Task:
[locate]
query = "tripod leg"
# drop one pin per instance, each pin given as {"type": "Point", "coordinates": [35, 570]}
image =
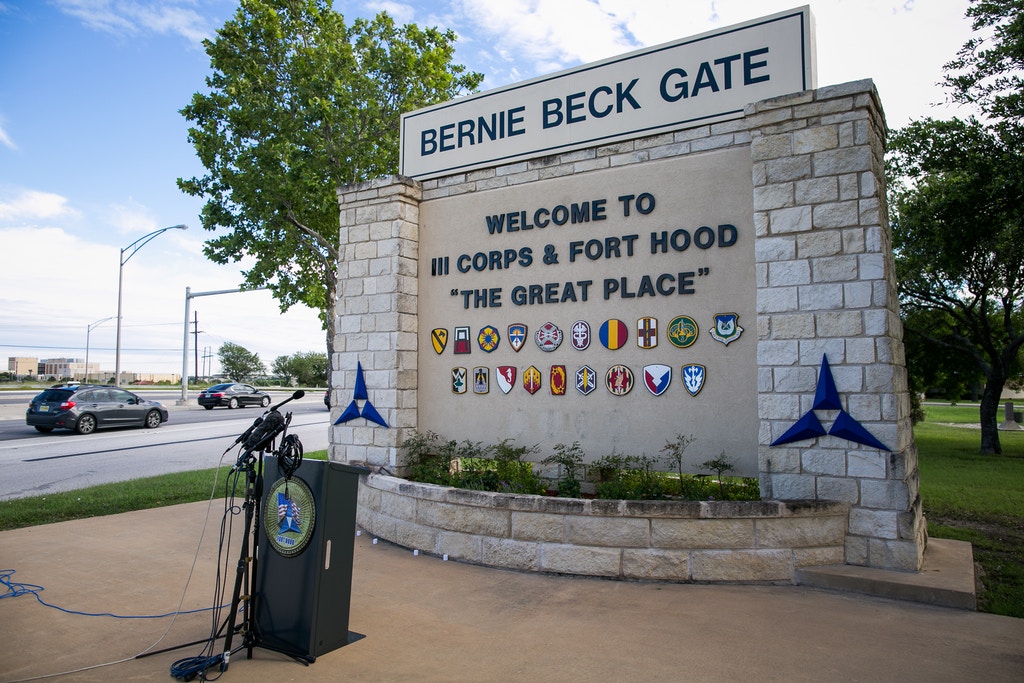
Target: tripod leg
{"type": "Point", "coordinates": [251, 506]}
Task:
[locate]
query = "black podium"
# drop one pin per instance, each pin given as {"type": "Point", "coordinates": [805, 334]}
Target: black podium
{"type": "Point", "coordinates": [303, 584]}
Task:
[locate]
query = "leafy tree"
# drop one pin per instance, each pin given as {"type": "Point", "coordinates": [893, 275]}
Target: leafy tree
{"type": "Point", "coordinates": [932, 367]}
{"type": "Point", "coordinates": [957, 210]}
{"type": "Point", "coordinates": [988, 71]}
{"type": "Point", "coordinates": [238, 363]}
{"type": "Point", "coordinates": [299, 102]}
{"type": "Point", "coordinates": [308, 368]}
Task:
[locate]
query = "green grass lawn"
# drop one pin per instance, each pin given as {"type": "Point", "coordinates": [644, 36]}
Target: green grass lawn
{"type": "Point", "coordinates": [111, 499]}
{"type": "Point", "coordinates": [976, 498]}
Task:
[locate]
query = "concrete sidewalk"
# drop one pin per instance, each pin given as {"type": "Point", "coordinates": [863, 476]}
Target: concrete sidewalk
{"type": "Point", "coordinates": [425, 619]}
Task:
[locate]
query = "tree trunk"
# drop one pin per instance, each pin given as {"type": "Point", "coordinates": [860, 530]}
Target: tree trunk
{"type": "Point", "coordinates": [988, 415]}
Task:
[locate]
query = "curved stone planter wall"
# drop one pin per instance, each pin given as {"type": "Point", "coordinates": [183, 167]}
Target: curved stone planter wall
{"type": "Point", "coordinates": [708, 541]}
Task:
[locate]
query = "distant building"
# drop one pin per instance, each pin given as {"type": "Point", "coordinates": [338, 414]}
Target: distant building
{"type": "Point", "coordinates": [22, 367]}
{"type": "Point", "coordinates": [71, 368]}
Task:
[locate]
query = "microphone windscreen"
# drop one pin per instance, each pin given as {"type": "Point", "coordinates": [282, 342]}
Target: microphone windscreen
{"type": "Point", "coordinates": [265, 432]}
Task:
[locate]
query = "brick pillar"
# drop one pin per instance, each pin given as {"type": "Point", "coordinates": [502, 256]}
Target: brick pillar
{"type": "Point", "coordinates": [376, 317]}
{"type": "Point", "coordinates": [826, 287]}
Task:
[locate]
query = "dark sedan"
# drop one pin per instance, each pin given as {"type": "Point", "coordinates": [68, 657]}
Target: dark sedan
{"type": "Point", "coordinates": [233, 395]}
{"type": "Point", "coordinates": [86, 408]}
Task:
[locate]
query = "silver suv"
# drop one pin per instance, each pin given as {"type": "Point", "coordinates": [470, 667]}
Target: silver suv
{"type": "Point", "coordinates": [85, 408]}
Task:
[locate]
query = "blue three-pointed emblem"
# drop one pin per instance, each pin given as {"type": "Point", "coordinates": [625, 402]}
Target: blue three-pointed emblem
{"type": "Point", "coordinates": [352, 411]}
{"type": "Point", "coordinates": [826, 397]}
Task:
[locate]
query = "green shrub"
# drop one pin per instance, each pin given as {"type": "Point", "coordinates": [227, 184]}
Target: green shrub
{"type": "Point", "coordinates": [629, 477]}
{"type": "Point", "coordinates": [501, 467]}
{"type": "Point", "coordinates": [432, 460]}
{"type": "Point", "coordinates": [570, 461]}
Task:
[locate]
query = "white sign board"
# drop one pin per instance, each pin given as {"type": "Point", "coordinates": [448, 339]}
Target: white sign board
{"type": "Point", "coordinates": [690, 82]}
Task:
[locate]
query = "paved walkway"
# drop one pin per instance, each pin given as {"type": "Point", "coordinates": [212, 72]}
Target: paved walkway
{"type": "Point", "coordinates": [425, 619]}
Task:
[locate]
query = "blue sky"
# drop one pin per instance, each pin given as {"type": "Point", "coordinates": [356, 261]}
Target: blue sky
{"type": "Point", "coordinates": [91, 143]}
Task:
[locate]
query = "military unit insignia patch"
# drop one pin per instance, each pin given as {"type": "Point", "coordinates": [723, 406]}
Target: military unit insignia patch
{"type": "Point", "coordinates": [531, 379]}
{"type": "Point", "coordinates": [548, 337]}
{"type": "Point", "coordinates": [558, 380]}
{"type": "Point", "coordinates": [613, 334]}
{"type": "Point", "coordinates": [682, 331]}
{"type": "Point", "coordinates": [505, 378]}
{"type": "Point", "coordinates": [439, 339]}
{"type": "Point", "coordinates": [488, 338]}
{"type": "Point", "coordinates": [516, 336]}
{"type": "Point", "coordinates": [693, 378]}
{"type": "Point", "coordinates": [580, 335]}
{"type": "Point", "coordinates": [481, 380]}
{"type": "Point", "coordinates": [586, 380]}
{"type": "Point", "coordinates": [462, 340]}
{"type": "Point", "coordinates": [657, 378]}
{"type": "Point", "coordinates": [726, 328]}
{"type": "Point", "coordinates": [647, 333]}
{"type": "Point", "coordinates": [459, 380]}
{"type": "Point", "coordinates": [619, 380]}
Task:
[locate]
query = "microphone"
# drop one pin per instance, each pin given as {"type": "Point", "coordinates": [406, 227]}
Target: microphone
{"type": "Point", "coordinates": [271, 425]}
{"type": "Point", "coordinates": [298, 394]}
{"type": "Point", "coordinates": [261, 437]}
{"type": "Point", "coordinates": [264, 428]}
{"type": "Point", "coordinates": [245, 435]}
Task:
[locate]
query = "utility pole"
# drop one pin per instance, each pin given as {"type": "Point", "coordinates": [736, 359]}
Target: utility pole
{"type": "Point", "coordinates": [189, 295]}
{"type": "Point", "coordinates": [195, 345]}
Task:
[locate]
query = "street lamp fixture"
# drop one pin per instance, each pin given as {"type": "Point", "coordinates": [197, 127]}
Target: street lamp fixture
{"type": "Point", "coordinates": [130, 251]}
{"type": "Point", "coordinates": [88, 331]}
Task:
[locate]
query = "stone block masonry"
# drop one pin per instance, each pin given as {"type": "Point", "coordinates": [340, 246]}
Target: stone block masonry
{"type": "Point", "coordinates": [825, 287]}
{"type": "Point", "coordinates": [708, 541]}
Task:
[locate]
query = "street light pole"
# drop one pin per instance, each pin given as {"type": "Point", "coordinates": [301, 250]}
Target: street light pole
{"type": "Point", "coordinates": [88, 331]}
{"type": "Point", "coordinates": [131, 249]}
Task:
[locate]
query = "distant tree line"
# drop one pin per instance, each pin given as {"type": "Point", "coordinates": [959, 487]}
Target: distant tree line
{"type": "Point", "coordinates": [306, 368]}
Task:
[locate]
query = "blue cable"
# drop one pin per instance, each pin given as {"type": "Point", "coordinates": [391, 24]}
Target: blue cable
{"type": "Point", "coordinates": [17, 589]}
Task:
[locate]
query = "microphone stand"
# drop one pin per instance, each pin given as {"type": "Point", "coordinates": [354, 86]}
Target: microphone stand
{"type": "Point", "coordinates": [260, 436]}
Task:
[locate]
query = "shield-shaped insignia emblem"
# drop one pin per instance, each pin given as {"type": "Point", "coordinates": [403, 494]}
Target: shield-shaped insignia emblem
{"type": "Point", "coordinates": [439, 339]}
{"type": "Point", "coordinates": [586, 380]}
{"type": "Point", "coordinates": [531, 379]}
{"type": "Point", "coordinates": [613, 334]}
{"type": "Point", "coordinates": [580, 335]}
{"type": "Point", "coordinates": [506, 378]}
{"type": "Point", "coordinates": [488, 338]}
{"type": "Point", "coordinates": [657, 378]}
{"type": "Point", "coordinates": [548, 337]}
{"type": "Point", "coordinates": [558, 380]}
{"type": "Point", "coordinates": [693, 378]}
{"type": "Point", "coordinates": [619, 380]}
{"type": "Point", "coordinates": [481, 380]}
{"type": "Point", "coordinates": [462, 340]}
{"type": "Point", "coordinates": [726, 328]}
{"type": "Point", "coordinates": [459, 380]}
{"type": "Point", "coordinates": [647, 333]}
{"type": "Point", "coordinates": [682, 331]}
{"type": "Point", "coordinates": [516, 336]}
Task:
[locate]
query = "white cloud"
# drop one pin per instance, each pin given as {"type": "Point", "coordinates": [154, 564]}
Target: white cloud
{"type": "Point", "coordinates": [900, 44]}
{"type": "Point", "coordinates": [57, 284]}
{"type": "Point", "coordinates": [33, 205]}
{"type": "Point", "coordinates": [132, 218]}
{"type": "Point", "coordinates": [551, 34]}
{"type": "Point", "coordinates": [6, 140]}
{"type": "Point", "coordinates": [131, 18]}
{"type": "Point", "coordinates": [401, 12]}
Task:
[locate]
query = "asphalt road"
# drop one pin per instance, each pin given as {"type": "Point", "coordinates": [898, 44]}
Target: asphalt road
{"type": "Point", "coordinates": [33, 464]}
